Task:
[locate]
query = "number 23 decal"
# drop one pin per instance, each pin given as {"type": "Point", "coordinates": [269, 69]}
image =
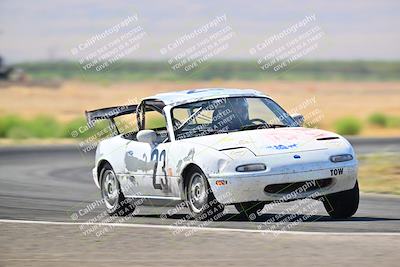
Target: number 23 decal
{"type": "Point", "coordinates": [159, 156]}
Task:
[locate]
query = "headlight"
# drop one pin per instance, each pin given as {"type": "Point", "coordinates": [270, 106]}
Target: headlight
{"type": "Point", "coordinates": [341, 158]}
{"type": "Point", "coordinates": [251, 167]}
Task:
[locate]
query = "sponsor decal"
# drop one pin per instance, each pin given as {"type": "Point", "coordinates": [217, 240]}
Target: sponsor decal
{"type": "Point", "coordinates": [335, 172]}
{"type": "Point", "coordinates": [282, 147]}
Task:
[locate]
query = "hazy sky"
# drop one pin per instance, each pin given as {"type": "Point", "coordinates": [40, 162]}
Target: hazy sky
{"type": "Point", "coordinates": [43, 29]}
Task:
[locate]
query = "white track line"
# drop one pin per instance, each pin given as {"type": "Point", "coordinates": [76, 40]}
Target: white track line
{"type": "Point", "coordinates": [211, 229]}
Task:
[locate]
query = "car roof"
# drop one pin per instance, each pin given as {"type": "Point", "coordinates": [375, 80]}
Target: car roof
{"type": "Point", "coordinates": [193, 95]}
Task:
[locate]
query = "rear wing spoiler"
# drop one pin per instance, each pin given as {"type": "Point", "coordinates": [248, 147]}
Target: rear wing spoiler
{"type": "Point", "coordinates": [109, 114]}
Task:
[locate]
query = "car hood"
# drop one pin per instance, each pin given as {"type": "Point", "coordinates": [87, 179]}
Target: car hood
{"type": "Point", "coordinates": [273, 141]}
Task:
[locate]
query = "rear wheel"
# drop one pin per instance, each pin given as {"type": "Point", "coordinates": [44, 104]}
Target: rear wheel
{"type": "Point", "coordinates": [114, 199]}
{"type": "Point", "coordinates": [344, 204]}
{"type": "Point", "coordinates": [250, 210]}
{"type": "Point", "coordinates": [201, 201]}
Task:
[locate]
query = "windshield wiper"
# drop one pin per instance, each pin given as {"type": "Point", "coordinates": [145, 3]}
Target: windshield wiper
{"type": "Point", "coordinates": [261, 126]}
{"type": "Point", "coordinates": [252, 126]}
{"type": "Point", "coordinates": [276, 126]}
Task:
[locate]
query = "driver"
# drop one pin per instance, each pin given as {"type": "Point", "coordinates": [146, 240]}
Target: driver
{"type": "Point", "coordinates": [232, 115]}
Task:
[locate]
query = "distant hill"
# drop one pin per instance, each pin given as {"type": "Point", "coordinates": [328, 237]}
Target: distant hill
{"type": "Point", "coordinates": [224, 70]}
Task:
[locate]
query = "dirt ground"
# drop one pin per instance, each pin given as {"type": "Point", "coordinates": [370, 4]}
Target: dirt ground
{"type": "Point", "coordinates": [320, 101]}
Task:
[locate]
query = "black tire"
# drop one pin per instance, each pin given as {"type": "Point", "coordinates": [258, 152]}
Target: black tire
{"type": "Point", "coordinates": [250, 210]}
{"type": "Point", "coordinates": [117, 204]}
{"type": "Point", "coordinates": [200, 199]}
{"type": "Point", "coordinates": [342, 205]}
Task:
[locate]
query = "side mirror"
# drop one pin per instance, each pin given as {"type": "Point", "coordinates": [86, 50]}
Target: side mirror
{"type": "Point", "coordinates": [298, 118]}
{"type": "Point", "coordinates": [147, 136]}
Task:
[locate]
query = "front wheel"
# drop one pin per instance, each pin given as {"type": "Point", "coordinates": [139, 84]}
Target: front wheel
{"type": "Point", "coordinates": [344, 204]}
{"type": "Point", "coordinates": [201, 201]}
{"type": "Point", "coordinates": [114, 199]}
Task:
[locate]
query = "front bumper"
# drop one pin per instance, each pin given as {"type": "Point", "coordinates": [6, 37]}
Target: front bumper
{"type": "Point", "coordinates": [230, 188]}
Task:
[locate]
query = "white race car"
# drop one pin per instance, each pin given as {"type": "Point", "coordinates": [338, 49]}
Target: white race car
{"type": "Point", "coordinates": [215, 147]}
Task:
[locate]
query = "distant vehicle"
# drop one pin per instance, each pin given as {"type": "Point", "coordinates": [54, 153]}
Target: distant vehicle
{"type": "Point", "coordinates": [217, 147]}
{"type": "Point", "coordinates": [10, 73]}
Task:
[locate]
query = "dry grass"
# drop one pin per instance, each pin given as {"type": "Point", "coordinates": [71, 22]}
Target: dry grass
{"type": "Point", "coordinates": [380, 173]}
{"type": "Point", "coordinates": [333, 99]}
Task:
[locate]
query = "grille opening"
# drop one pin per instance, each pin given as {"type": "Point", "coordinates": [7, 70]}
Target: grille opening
{"type": "Point", "coordinates": [290, 187]}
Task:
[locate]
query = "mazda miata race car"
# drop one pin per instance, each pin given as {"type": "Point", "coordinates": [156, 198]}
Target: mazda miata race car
{"type": "Point", "coordinates": [214, 147]}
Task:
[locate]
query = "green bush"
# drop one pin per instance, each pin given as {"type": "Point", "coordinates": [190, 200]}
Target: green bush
{"type": "Point", "coordinates": [74, 128]}
{"type": "Point", "coordinates": [378, 119]}
{"type": "Point", "coordinates": [8, 122]}
{"type": "Point", "coordinates": [155, 122]}
{"type": "Point", "coordinates": [393, 122]}
{"type": "Point", "coordinates": [348, 126]}
{"type": "Point", "coordinates": [12, 126]}
{"type": "Point", "coordinates": [44, 127]}
{"type": "Point", "coordinates": [78, 128]}
{"type": "Point", "coordinates": [19, 132]}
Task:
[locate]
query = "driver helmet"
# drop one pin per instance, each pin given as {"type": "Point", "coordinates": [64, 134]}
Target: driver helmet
{"type": "Point", "coordinates": [240, 107]}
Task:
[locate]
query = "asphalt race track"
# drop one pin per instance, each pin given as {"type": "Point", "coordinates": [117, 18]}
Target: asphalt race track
{"type": "Point", "coordinates": [54, 184]}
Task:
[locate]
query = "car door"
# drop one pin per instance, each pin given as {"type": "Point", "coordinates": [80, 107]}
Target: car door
{"type": "Point", "coordinates": [161, 182]}
{"type": "Point", "coordinates": [139, 168]}
{"type": "Point", "coordinates": [147, 170]}
{"type": "Point", "coordinates": [147, 164]}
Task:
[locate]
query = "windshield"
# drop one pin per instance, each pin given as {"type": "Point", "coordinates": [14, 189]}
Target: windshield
{"type": "Point", "coordinates": [225, 115]}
